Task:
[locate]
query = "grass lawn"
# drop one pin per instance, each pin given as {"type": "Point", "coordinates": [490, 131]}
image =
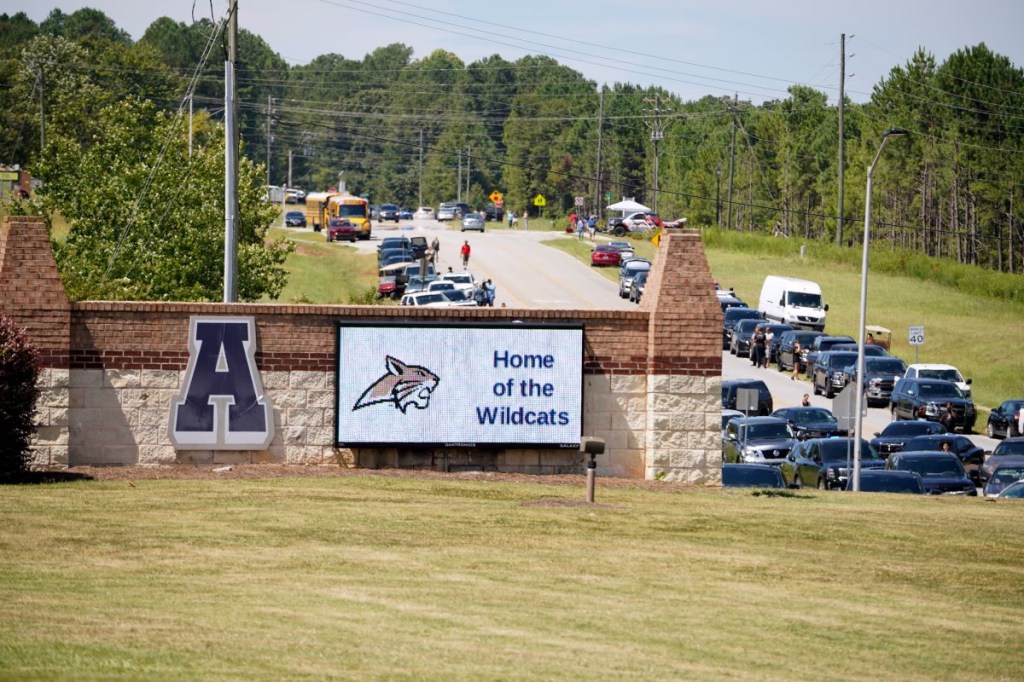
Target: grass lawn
{"type": "Point", "coordinates": [324, 273]}
{"type": "Point", "coordinates": [370, 577]}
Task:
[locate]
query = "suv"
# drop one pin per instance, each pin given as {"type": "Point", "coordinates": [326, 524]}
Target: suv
{"type": "Point", "coordinates": [880, 375]}
{"type": "Point", "coordinates": [825, 462]}
{"type": "Point", "coordinates": [969, 454]}
{"type": "Point", "coordinates": [784, 359]}
{"type": "Point", "coordinates": [730, 318]}
{"type": "Point", "coordinates": [628, 270]}
{"type": "Point", "coordinates": [894, 436]}
{"type": "Point", "coordinates": [941, 472]}
{"type": "Point", "coordinates": [764, 396]}
{"type": "Point", "coordinates": [447, 211]}
{"type": "Point", "coordinates": [931, 394]}
{"type": "Point", "coordinates": [944, 372]}
{"type": "Point", "coordinates": [810, 422]}
{"type": "Point", "coordinates": [832, 372]}
{"type": "Point", "coordinates": [757, 440]}
{"type": "Point", "coordinates": [493, 212]}
{"type": "Point", "coordinates": [388, 212]}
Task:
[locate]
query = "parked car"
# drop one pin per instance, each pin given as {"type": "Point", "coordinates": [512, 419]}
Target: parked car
{"type": "Point", "coordinates": [894, 437]}
{"type": "Point", "coordinates": [295, 219]}
{"type": "Point", "coordinates": [880, 376]}
{"type": "Point", "coordinates": [636, 287]}
{"type": "Point", "coordinates": [810, 422]}
{"type": "Point", "coordinates": [605, 255]}
{"type": "Point", "coordinates": [1002, 477]}
{"type": "Point", "coordinates": [1010, 451]}
{"type": "Point", "coordinates": [729, 415]}
{"type": "Point", "coordinates": [625, 248]}
{"type": "Point", "coordinates": [340, 228]}
{"type": "Point", "coordinates": [461, 280]}
{"type": "Point", "coordinates": [751, 476]}
{"type": "Point", "coordinates": [728, 302]}
{"type": "Point", "coordinates": [472, 221]}
{"type": "Point", "coordinates": [820, 345]}
{"type": "Point", "coordinates": [774, 332]}
{"type": "Point", "coordinates": [431, 299]}
{"type": "Point", "coordinates": [784, 355]}
{"type": "Point", "coordinates": [969, 454]}
{"type": "Point", "coordinates": [641, 221]}
{"type": "Point", "coordinates": [628, 270]}
{"type": "Point", "coordinates": [885, 481]}
{"type": "Point", "coordinates": [1014, 491]}
{"type": "Point", "coordinates": [388, 287]}
{"type": "Point", "coordinates": [393, 243]}
{"type": "Point", "coordinates": [940, 472]}
{"type": "Point", "coordinates": [932, 395]}
{"type": "Point", "coordinates": [419, 246]}
{"type": "Point", "coordinates": [447, 211]}
{"type": "Point", "coordinates": [937, 371]}
{"type": "Point", "coordinates": [825, 463]}
{"type": "Point", "coordinates": [757, 440]}
{"type": "Point", "coordinates": [459, 298]}
{"type": "Point", "coordinates": [395, 255]}
{"type": "Point", "coordinates": [764, 396]}
{"type": "Point", "coordinates": [417, 283]}
{"type": "Point", "coordinates": [441, 285]}
{"type": "Point", "coordinates": [870, 350]}
{"type": "Point", "coordinates": [387, 212]}
{"type": "Point", "coordinates": [742, 333]}
{"type": "Point", "coordinates": [1004, 421]}
{"type": "Point", "coordinates": [730, 318]}
{"type": "Point", "coordinates": [405, 214]}
{"type": "Point", "coordinates": [425, 213]}
{"type": "Point", "coordinates": [832, 372]}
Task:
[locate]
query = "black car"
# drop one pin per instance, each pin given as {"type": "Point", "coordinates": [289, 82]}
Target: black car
{"type": "Point", "coordinates": [870, 350]}
{"type": "Point", "coordinates": [932, 394]}
{"type": "Point", "coordinates": [295, 219]}
{"type": "Point", "coordinates": [728, 302]}
{"type": "Point", "coordinates": [764, 396]}
{"type": "Point", "coordinates": [810, 422]}
{"type": "Point", "coordinates": [832, 372]}
{"type": "Point", "coordinates": [969, 454]}
{"type": "Point", "coordinates": [393, 243]}
{"type": "Point", "coordinates": [494, 213]}
{"type": "Point", "coordinates": [885, 481]}
{"type": "Point", "coordinates": [388, 212]}
{"type": "Point", "coordinates": [1004, 421]}
{"type": "Point", "coordinates": [742, 335]}
{"type": "Point", "coordinates": [822, 344]}
{"type": "Point", "coordinates": [784, 355]}
{"type": "Point", "coordinates": [751, 476]}
{"type": "Point", "coordinates": [729, 319]}
{"type": "Point", "coordinates": [1010, 451]}
{"type": "Point", "coordinates": [390, 256]}
{"type": "Point", "coordinates": [825, 463]}
{"type": "Point", "coordinates": [880, 376]}
{"type": "Point", "coordinates": [774, 332]}
{"type": "Point", "coordinates": [757, 440]}
{"type": "Point", "coordinates": [636, 287]}
{"type": "Point", "coordinates": [941, 472]}
{"type": "Point", "coordinates": [894, 437]}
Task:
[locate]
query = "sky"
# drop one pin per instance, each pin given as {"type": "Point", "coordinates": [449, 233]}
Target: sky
{"type": "Point", "coordinates": [750, 48]}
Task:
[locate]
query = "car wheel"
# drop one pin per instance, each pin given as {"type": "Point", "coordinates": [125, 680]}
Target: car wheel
{"type": "Point", "coordinates": [796, 481]}
{"type": "Point", "coordinates": [779, 366]}
{"type": "Point", "coordinates": [822, 485]}
{"type": "Point", "coordinates": [829, 393]}
{"type": "Point", "coordinates": [895, 417]}
{"type": "Point", "coordinates": [814, 387]}
{"type": "Point", "coordinates": [989, 431]}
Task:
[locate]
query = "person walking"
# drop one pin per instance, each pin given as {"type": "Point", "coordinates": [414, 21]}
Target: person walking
{"type": "Point", "coordinates": [526, 219]}
{"type": "Point", "coordinates": [580, 226]}
{"type": "Point", "coordinates": [435, 246]}
{"type": "Point", "coordinates": [490, 291]}
{"type": "Point", "coordinates": [796, 361]}
{"type": "Point", "coordinates": [511, 218]}
{"type": "Point", "coordinates": [758, 347]}
{"type": "Point", "coordinates": [592, 226]}
{"type": "Point", "coordinates": [464, 252]}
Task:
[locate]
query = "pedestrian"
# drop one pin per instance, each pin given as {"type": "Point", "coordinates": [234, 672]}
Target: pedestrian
{"type": "Point", "coordinates": [580, 226]}
{"type": "Point", "coordinates": [490, 291]}
{"type": "Point", "coordinates": [450, 269]}
{"type": "Point", "coordinates": [465, 251]}
{"type": "Point", "coordinates": [806, 402]}
{"type": "Point", "coordinates": [796, 361]}
{"type": "Point", "coordinates": [572, 221]}
{"type": "Point", "coordinates": [592, 226]}
{"type": "Point", "coordinates": [948, 418]}
{"type": "Point", "coordinates": [511, 216]}
{"type": "Point", "coordinates": [768, 336]}
{"type": "Point", "coordinates": [757, 347]}
{"type": "Point", "coordinates": [435, 246]}
{"type": "Point", "coordinates": [480, 296]}
{"type": "Point", "coordinates": [526, 219]}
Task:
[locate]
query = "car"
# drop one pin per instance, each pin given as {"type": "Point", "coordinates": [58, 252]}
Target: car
{"type": "Point", "coordinates": [751, 476]}
{"type": "Point", "coordinates": [730, 318]}
{"type": "Point", "coordinates": [447, 211]}
{"type": "Point", "coordinates": [295, 219]}
{"type": "Point", "coordinates": [825, 463]}
{"type": "Point", "coordinates": [605, 255]}
{"type": "Point", "coordinates": [1010, 451]}
{"type": "Point", "coordinates": [870, 350]}
{"type": "Point", "coordinates": [405, 214]}
{"type": "Point", "coordinates": [459, 298]}
{"type": "Point", "coordinates": [765, 402]}
{"type": "Point", "coordinates": [810, 422]}
{"type": "Point", "coordinates": [636, 287]}
{"type": "Point", "coordinates": [625, 248]}
{"type": "Point", "coordinates": [424, 213]}
{"type": "Point", "coordinates": [441, 285]}
{"type": "Point", "coordinates": [969, 454]}
{"type": "Point", "coordinates": [894, 436]}
{"type": "Point", "coordinates": [913, 398]}
{"type": "Point", "coordinates": [641, 221]}
{"type": "Point", "coordinates": [388, 212]}
{"type": "Point", "coordinates": [773, 332]}
{"type": "Point", "coordinates": [417, 283]}
{"type": "Point", "coordinates": [388, 287]}
{"type": "Point", "coordinates": [880, 376]}
{"type": "Point", "coordinates": [393, 243]}
{"type": "Point", "coordinates": [822, 344]}
{"type": "Point", "coordinates": [784, 355]}
{"type": "Point", "coordinates": [938, 371]}
{"type": "Point", "coordinates": [461, 280]}
{"type": "Point", "coordinates": [396, 255]}
{"type": "Point", "coordinates": [1014, 491]}
{"type": "Point", "coordinates": [832, 372]}
{"type": "Point", "coordinates": [729, 415]}
{"type": "Point", "coordinates": [494, 213]}
{"type": "Point", "coordinates": [731, 302]}
{"type": "Point", "coordinates": [340, 228]}
{"type": "Point", "coordinates": [425, 299]}
{"type": "Point", "coordinates": [883, 481]}
{"type": "Point", "coordinates": [628, 270]}
{"type": "Point", "coordinates": [419, 246]}
{"type": "Point", "coordinates": [757, 440]}
{"type": "Point", "coordinates": [472, 221]}
{"type": "Point", "coordinates": [940, 472]}
{"type": "Point", "coordinates": [374, 211]}
{"type": "Point", "coordinates": [742, 333]}
{"type": "Point", "coordinates": [1004, 421]}
{"type": "Point", "coordinates": [1002, 477]}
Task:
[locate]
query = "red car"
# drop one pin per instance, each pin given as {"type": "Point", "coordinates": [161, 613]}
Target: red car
{"type": "Point", "coordinates": [341, 229]}
{"type": "Point", "coordinates": [605, 255]}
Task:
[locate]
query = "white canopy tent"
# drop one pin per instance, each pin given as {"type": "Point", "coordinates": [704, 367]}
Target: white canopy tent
{"type": "Point", "coordinates": [628, 206]}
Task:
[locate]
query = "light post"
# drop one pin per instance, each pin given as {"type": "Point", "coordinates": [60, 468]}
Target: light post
{"type": "Point", "coordinates": [718, 196]}
{"type": "Point", "coordinates": [858, 423]}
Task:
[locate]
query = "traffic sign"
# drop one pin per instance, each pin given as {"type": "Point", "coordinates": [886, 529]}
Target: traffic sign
{"type": "Point", "coordinates": [539, 200]}
{"type": "Point", "coordinates": [844, 407]}
{"type": "Point", "coordinates": [607, 196]}
{"type": "Point", "coordinates": [579, 201]}
{"type": "Point", "coordinates": [917, 335]}
{"type": "Point", "coordinates": [495, 197]}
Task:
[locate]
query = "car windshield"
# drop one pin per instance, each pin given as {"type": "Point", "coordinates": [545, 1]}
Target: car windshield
{"type": "Point", "coordinates": [944, 374]}
{"type": "Point", "coordinates": [431, 297]}
{"type": "Point", "coordinates": [352, 211]}
{"type": "Point", "coordinates": [804, 300]}
{"type": "Point", "coordinates": [908, 428]}
{"type": "Point", "coordinates": [459, 278]}
{"type": "Point", "coordinates": [736, 314]}
{"type": "Point", "coordinates": [1010, 448]}
{"type": "Point", "coordinates": [456, 295]}
{"type": "Point", "coordinates": [933, 466]}
{"type": "Point", "coordinates": [884, 365]}
{"type": "Point", "coordinates": [633, 268]}
{"type": "Point", "coordinates": [768, 431]}
{"type": "Point", "coordinates": [943, 390]}
{"type": "Point", "coordinates": [1007, 475]}
{"type": "Point", "coordinates": [836, 450]}
{"type": "Point", "coordinates": [811, 416]}
{"type": "Point", "coordinates": [473, 216]}
{"type": "Point", "coordinates": [842, 359]}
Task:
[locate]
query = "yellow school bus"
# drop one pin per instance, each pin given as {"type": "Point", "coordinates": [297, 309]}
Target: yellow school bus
{"type": "Point", "coordinates": [316, 209]}
{"type": "Point", "coordinates": [352, 208]}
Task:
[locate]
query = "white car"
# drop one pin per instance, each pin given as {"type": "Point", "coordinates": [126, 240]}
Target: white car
{"type": "Point", "coordinates": [424, 213]}
{"type": "Point", "coordinates": [938, 371]}
{"type": "Point", "coordinates": [441, 285]}
{"type": "Point", "coordinates": [427, 299]}
{"type": "Point", "coordinates": [461, 280]}
{"type": "Point", "coordinates": [625, 249]}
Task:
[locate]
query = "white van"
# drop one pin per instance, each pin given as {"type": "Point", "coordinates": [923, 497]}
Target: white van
{"type": "Point", "coordinates": [792, 301]}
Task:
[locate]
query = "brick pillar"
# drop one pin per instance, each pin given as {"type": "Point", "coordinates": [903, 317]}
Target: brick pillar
{"type": "Point", "coordinates": [684, 363]}
{"type": "Point", "coordinates": [32, 293]}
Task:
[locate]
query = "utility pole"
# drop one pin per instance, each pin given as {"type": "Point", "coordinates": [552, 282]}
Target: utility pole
{"type": "Point", "coordinates": [230, 161]}
{"type": "Point", "coordinates": [421, 170]}
{"type": "Point", "coordinates": [718, 196]}
{"type": "Point", "coordinates": [458, 184]}
{"type": "Point", "coordinates": [270, 104]}
{"type": "Point", "coordinates": [190, 125]}
{"type": "Point", "coordinates": [842, 141]}
{"type": "Point", "coordinates": [469, 163]}
{"type": "Point", "coordinates": [600, 129]}
{"type": "Point", "coordinates": [289, 167]}
{"type": "Point", "coordinates": [732, 158]}
{"type": "Point", "coordinates": [657, 135]}
{"type": "Point", "coordinates": [42, 110]}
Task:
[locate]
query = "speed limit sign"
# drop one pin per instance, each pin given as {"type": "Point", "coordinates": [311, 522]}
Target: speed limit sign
{"type": "Point", "coordinates": [917, 336]}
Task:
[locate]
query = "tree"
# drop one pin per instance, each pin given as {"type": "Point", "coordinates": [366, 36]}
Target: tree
{"type": "Point", "coordinates": [147, 221]}
{"type": "Point", "coordinates": [19, 374]}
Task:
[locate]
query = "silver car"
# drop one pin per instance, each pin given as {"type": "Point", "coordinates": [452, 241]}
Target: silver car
{"type": "Point", "coordinates": [627, 271]}
{"type": "Point", "coordinates": [472, 221]}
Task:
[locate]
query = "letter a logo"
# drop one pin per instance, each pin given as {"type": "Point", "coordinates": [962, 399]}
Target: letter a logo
{"type": "Point", "coordinates": [221, 405]}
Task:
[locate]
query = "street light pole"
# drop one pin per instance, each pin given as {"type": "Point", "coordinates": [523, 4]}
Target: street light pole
{"type": "Point", "coordinates": [718, 196]}
{"type": "Point", "coordinates": [858, 423]}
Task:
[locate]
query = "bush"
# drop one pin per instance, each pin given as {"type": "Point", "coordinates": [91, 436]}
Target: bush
{"type": "Point", "coordinates": [19, 374]}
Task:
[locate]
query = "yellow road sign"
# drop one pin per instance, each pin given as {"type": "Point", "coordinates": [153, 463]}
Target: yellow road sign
{"type": "Point", "coordinates": [539, 200]}
{"type": "Point", "coordinates": [656, 239]}
{"type": "Point", "coordinates": [495, 197]}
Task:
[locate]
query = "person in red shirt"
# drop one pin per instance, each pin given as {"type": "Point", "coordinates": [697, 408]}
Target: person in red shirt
{"type": "Point", "coordinates": [465, 253]}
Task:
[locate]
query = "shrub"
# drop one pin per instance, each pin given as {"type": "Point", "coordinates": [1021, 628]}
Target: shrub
{"type": "Point", "coordinates": [19, 374]}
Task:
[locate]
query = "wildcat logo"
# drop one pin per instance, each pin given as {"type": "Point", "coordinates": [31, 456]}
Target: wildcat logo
{"type": "Point", "coordinates": [402, 386]}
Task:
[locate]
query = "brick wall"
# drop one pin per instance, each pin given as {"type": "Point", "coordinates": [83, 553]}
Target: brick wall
{"type": "Point", "coordinates": [651, 386]}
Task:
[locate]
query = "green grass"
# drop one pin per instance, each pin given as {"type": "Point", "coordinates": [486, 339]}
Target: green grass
{"type": "Point", "coordinates": [324, 273]}
{"type": "Point", "coordinates": [368, 577]}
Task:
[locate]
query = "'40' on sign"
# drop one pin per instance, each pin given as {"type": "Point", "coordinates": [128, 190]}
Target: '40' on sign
{"type": "Point", "coordinates": [916, 337]}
